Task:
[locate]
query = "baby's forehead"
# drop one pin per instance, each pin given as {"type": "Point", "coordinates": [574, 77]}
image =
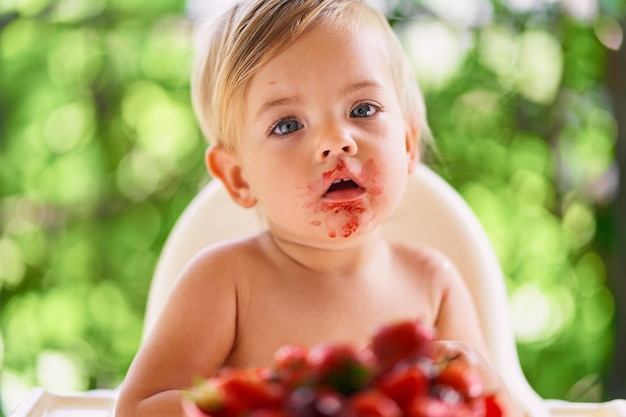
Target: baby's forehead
{"type": "Point", "coordinates": [348, 44]}
{"type": "Point", "coordinates": [337, 32]}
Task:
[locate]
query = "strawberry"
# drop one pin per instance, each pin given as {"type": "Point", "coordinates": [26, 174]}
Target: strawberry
{"type": "Point", "coordinates": [235, 392]}
{"type": "Point", "coordinates": [401, 341]}
{"type": "Point", "coordinates": [291, 367]}
{"type": "Point", "coordinates": [205, 398]}
{"type": "Point", "coordinates": [428, 406]}
{"type": "Point", "coordinates": [492, 408]}
{"type": "Point", "coordinates": [462, 378]}
{"type": "Point", "coordinates": [290, 356]}
{"type": "Point", "coordinates": [403, 383]}
{"type": "Point", "coordinates": [340, 367]}
{"type": "Point", "coordinates": [372, 403]}
{"type": "Point", "coordinates": [248, 392]}
{"type": "Point", "coordinates": [425, 406]}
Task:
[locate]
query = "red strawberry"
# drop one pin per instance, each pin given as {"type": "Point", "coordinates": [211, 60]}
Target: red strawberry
{"type": "Point", "coordinates": [425, 406]}
{"type": "Point", "coordinates": [291, 367]}
{"type": "Point", "coordinates": [403, 383]}
{"type": "Point", "coordinates": [341, 367]}
{"type": "Point", "coordinates": [373, 403]}
{"type": "Point", "coordinates": [234, 392]}
{"type": "Point", "coordinates": [492, 408]}
{"type": "Point", "coordinates": [462, 378]}
{"type": "Point", "coordinates": [400, 341]}
{"type": "Point", "coordinates": [290, 356]}
{"type": "Point", "coordinates": [249, 392]}
{"type": "Point", "coordinates": [204, 399]}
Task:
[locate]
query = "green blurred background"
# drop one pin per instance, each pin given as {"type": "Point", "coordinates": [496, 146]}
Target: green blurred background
{"type": "Point", "coordinates": [100, 153]}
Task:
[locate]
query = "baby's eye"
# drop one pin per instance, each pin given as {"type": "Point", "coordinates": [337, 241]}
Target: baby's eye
{"type": "Point", "coordinates": [363, 110]}
{"type": "Point", "coordinates": [286, 127]}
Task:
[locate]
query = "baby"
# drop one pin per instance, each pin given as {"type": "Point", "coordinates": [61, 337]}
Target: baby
{"type": "Point", "coordinates": [316, 120]}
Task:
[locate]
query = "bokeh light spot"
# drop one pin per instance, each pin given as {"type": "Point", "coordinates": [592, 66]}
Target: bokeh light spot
{"type": "Point", "coordinates": [538, 314]}
{"type": "Point", "coordinates": [71, 11]}
{"type": "Point", "coordinates": [58, 371]}
{"type": "Point", "coordinates": [598, 311]}
{"type": "Point", "coordinates": [498, 52]}
{"type": "Point", "coordinates": [69, 125]}
{"type": "Point", "coordinates": [590, 273]}
{"type": "Point", "coordinates": [139, 174]}
{"type": "Point", "coordinates": [540, 66]}
{"type": "Point", "coordinates": [585, 10]}
{"type": "Point", "coordinates": [13, 389]}
{"type": "Point", "coordinates": [579, 224]}
{"type": "Point", "coordinates": [462, 12]}
{"type": "Point", "coordinates": [17, 37]}
{"type": "Point", "coordinates": [74, 57]}
{"type": "Point", "coordinates": [531, 189]}
{"type": "Point", "coordinates": [12, 266]}
{"type": "Point", "coordinates": [436, 51]}
{"type": "Point", "coordinates": [167, 54]}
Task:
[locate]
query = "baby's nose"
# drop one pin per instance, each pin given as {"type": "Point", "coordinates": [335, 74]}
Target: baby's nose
{"type": "Point", "coordinates": [348, 149]}
{"type": "Point", "coordinates": [336, 143]}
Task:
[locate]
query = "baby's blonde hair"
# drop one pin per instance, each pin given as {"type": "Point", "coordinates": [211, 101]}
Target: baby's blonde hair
{"type": "Point", "coordinates": [233, 47]}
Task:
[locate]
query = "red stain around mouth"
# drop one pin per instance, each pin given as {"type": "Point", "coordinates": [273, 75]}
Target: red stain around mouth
{"type": "Point", "coordinates": [340, 166]}
{"type": "Point", "coordinates": [343, 218]}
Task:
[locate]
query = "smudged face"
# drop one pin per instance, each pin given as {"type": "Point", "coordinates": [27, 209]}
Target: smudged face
{"type": "Point", "coordinates": [343, 209]}
{"type": "Point", "coordinates": [326, 149]}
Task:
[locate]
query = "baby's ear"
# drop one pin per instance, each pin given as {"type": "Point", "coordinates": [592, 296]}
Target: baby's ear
{"type": "Point", "coordinates": [225, 166]}
{"type": "Point", "coordinates": [412, 142]}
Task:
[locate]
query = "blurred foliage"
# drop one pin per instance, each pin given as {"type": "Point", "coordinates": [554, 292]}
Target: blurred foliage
{"type": "Point", "coordinates": [525, 132]}
{"type": "Point", "coordinates": [100, 153]}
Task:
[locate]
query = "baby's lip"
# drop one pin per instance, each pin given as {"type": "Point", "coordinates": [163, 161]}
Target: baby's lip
{"type": "Point", "coordinates": [347, 194]}
{"type": "Point", "coordinates": [341, 183]}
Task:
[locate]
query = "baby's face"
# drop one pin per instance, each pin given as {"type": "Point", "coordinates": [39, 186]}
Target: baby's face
{"type": "Point", "coordinates": [325, 145]}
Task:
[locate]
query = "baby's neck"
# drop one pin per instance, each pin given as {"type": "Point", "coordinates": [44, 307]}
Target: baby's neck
{"type": "Point", "coordinates": [365, 256]}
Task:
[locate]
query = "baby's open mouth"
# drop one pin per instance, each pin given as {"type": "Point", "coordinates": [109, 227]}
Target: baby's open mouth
{"type": "Point", "coordinates": [344, 184]}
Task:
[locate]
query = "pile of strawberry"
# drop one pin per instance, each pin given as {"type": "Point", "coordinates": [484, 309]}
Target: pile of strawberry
{"type": "Point", "coordinates": [396, 377]}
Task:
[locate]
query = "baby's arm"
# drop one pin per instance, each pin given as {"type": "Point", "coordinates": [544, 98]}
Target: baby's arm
{"type": "Point", "coordinates": [193, 337]}
{"type": "Point", "coordinates": [459, 330]}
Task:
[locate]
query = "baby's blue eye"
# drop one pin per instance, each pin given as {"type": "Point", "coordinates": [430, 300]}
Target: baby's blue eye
{"type": "Point", "coordinates": [363, 110]}
{"type": "Point", "coordinates": [286, 127]}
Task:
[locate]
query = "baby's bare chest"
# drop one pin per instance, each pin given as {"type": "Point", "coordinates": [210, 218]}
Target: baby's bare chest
{"type": "Point", "coordinates": [276, 314]}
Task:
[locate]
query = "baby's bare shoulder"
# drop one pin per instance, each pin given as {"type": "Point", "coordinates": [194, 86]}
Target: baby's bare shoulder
{"type": "Point", "coordinates": [227, 259]}
{"type": "Point", "coordinates": [216, 274]}
{"type": "Point", "coordinates": [421, 257]}
{"type": "Point", "coordinates": [230, 249]}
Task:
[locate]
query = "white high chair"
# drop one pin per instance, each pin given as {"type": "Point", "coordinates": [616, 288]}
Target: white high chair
{"type": "Point", "coordinates": [432, 212]}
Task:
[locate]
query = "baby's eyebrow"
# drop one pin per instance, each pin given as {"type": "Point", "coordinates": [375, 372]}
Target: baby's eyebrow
{"type": "Point", "coordinates": [362, 85]}
{"type": "Point", "coordinates": [284, 101]}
